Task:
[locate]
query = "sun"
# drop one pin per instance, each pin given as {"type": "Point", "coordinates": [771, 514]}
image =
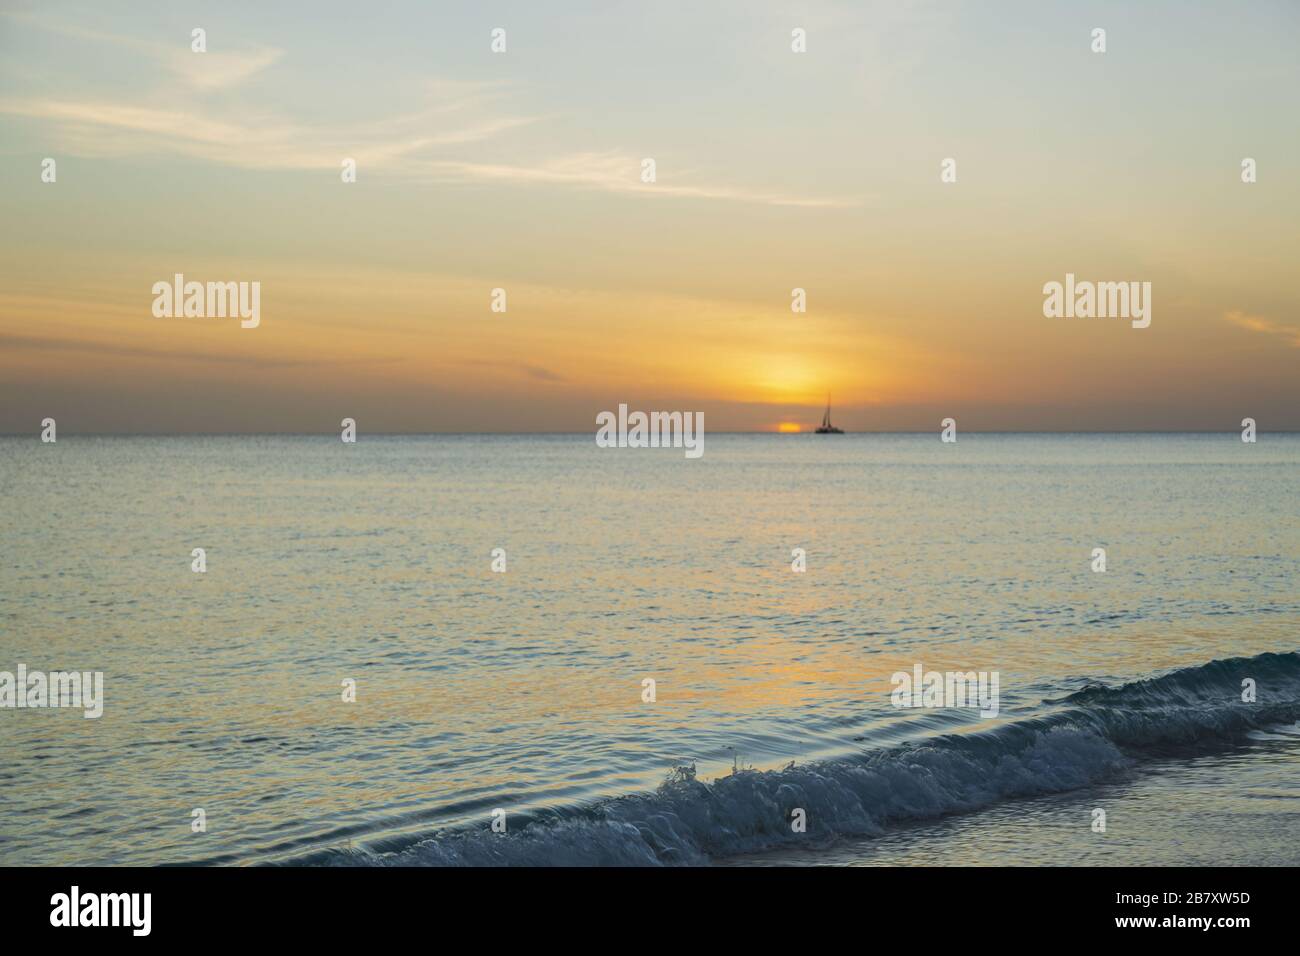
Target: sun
{"type": "Point", "coordinates": [789, 428]}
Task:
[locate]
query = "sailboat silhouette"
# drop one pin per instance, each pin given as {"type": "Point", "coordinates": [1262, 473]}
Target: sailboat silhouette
{"type": "Point", "coordinates": [826, 427]}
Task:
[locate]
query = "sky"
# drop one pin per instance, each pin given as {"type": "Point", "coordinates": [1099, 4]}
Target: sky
{"type": "Point", "coordinates": [522, 170]}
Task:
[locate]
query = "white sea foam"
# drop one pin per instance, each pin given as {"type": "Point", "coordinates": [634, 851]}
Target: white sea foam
{"type": "Point", "coordinates": [1078, 740]}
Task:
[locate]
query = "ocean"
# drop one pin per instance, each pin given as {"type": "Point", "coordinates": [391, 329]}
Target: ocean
{"type": "Point", "coordinates": [521, 698]}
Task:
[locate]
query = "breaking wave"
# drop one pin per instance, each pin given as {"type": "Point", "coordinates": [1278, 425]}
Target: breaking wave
{"type": "Point", "coordinates": [1076, 741]}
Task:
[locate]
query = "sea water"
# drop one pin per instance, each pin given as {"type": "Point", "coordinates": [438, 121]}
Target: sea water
{"type": "Point", "coordinates": [520, 696]}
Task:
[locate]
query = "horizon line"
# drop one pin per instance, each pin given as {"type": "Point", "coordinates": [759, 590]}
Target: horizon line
{"type": "Point", "coordinates": [513, 434]}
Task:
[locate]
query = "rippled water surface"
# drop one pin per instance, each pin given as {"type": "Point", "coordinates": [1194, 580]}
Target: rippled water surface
{"type": "Point", "coordinates": [523, 691]}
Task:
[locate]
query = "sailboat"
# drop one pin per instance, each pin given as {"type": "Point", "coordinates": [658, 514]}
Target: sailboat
{"type": "Point", "coordinates": [826, 427]}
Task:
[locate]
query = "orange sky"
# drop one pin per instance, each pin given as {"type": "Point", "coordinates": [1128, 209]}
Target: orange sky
{"type": "Point", "coordinates": [521, 171]}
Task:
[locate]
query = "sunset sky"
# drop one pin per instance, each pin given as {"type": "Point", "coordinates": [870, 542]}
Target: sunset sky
{"type": "Point", "coordinates": [775, 170]}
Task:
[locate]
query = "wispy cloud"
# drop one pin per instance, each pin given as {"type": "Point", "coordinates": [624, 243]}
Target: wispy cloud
{"type": "Point", "coordinates": [401, 144]}
{"type": "Point", "coordinates": [219, 70]}
{"type": "Point", "coordinates": [180, 119]}
{"type": "Point", "coordinates": [1255, 323]}
{"type": "Point", "coordinates": [537, 372]}
{"type": "Point", "coordinates": [47, 344]}
{"type": "Point", "coordinates": [93, 127]}
{"type": "Point", "coordinates": [614, 171]}
{"type": "Point", "coordinates": [212, 70]}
